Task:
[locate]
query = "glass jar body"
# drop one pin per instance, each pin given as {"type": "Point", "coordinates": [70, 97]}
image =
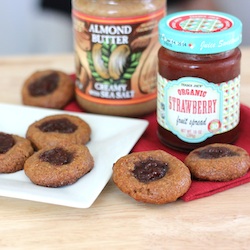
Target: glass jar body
{"type": "Point", "coordinates": [116, 55]}
{"type": "Point", "coordinates": [216, 70]}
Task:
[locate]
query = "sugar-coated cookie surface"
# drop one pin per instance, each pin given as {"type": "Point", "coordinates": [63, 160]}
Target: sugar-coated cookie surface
{"type": "Point", "coordinates": [48, 89]}
{"type": "Point", "coordinates": [59, 166]}
{"type": "Point", "coordinates": [218, 162]}
{"type": "Point", "coordinates": [58, 130]}
{"type": "Point", "coordinates": [14, 150]}
{"type": "Point", "coordinates": [152, 176]}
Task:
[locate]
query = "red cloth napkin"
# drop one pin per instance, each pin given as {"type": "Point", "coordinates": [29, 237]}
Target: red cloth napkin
{"type": "Point", "coordinates": [198, 189]}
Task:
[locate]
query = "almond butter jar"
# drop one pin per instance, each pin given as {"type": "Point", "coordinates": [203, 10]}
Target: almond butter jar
{"type": "Point", "coordinates": [116, 45]}
{"type": "Point", "coordinates": [199, 79]}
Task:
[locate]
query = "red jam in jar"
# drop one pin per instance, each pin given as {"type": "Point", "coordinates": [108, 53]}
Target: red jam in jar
{"type": "Point", "coordinates": [198, 100]}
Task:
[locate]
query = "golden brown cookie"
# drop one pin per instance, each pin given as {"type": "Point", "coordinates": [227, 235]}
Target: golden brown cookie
{"type": "Point", "coordinates": [59, 166]}
{"type": "Point", "coordinates": [14, 150]}
{"type": "Point", "coordinates": [48, 89]}
{"type": "Point", "coordinates": [152, 176]}
{"type": "Point", "coordinates": [58, 130]}
{"type": "Point", "coordinates": [218, 162]}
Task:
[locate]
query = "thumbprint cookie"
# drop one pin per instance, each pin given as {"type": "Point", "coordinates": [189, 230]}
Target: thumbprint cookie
{"type": "Point", "coordinates": [59, 166]}
{"type": "Point", "coordinates": [56, 130]}
{"type": "Point", "coordinates": [48, 89]}
{"type": "Point", "coordinates": [154, 177]}
{"type": "Point", "coordinates": [14, 151]}
{"type": "Point", "coordinates": [218, 162]}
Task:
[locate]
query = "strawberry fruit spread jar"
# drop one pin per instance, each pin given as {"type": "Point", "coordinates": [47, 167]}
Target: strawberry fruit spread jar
{"type": "Point", "coordinates": [116, 45]}
{"type": "Point", "coordinates": [199, 79]}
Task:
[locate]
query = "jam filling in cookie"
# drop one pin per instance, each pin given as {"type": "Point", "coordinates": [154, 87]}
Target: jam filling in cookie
{"type": "Point", "coordinates": [150, 170]}
{"type": "Point", "coordinates": [215, 152]}
{"type": "Point", "coordinates": [62, 125]}
{"type": "Point", "coordinates": [7, 142]}
{"type": "Point", "coordinates": [44, 85]}
{"type": "Point", "coordinates": [56, 156]}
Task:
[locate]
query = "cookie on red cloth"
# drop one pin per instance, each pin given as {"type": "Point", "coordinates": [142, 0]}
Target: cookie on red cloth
{"type": "Point", "coordinates": [218, 162]}
{"type": "Point", "coordinates": [48, 89]}
{"type": "Point", "coordinates": [152, 176]}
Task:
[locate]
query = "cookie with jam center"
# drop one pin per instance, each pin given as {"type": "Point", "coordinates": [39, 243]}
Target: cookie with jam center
{"type": "Point", "coordinates": [152, 176]}
{"type": "Point", "coordinates": [218, 162]}
{"type": "Point", "coordinates": [48, 89]}
{"type": "Point", "coordinates": [14, 151]}
{"type": "Point", "coordinates": [58, 130]}
{"type": "Point", "coordinates": [59, 166]}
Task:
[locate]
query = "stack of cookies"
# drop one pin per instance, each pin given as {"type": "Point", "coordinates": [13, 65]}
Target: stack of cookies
{"type": "Point", "coordinates": [62, 156]}
{"type": "Point", "coordinates": [54, 152]}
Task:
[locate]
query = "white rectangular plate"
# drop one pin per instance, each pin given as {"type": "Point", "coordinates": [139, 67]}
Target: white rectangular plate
{"type": "Point", "coordinates": [112, 138]}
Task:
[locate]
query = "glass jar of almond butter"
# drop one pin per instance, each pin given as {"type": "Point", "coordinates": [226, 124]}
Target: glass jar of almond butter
{"type": "Point", "coordinates": [116, 45]}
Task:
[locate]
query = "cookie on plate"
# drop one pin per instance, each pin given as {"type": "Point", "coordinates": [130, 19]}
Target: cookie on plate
{"type": "Point", "coordinates": [14, 150]}
{"type": "Point", "coordinates": [48, 89]}
{"type": "Point", "coordinates": [152, 176]}
{"type": "Point", "coordinates": [218, 162]}
{"type": "Point", "coordinates": [58, 130]}
{"type": "Point", "coordinates": [59, 166]}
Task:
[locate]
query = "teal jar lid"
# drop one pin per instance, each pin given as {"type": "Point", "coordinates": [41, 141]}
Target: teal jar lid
{"type": "Point", "coordinates": [200, 32]}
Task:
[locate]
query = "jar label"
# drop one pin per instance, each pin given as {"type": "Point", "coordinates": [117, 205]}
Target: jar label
{"type": "Point", "coordinates": [194, 109]}
{"type": "Point", "coordinates": [116, 58]}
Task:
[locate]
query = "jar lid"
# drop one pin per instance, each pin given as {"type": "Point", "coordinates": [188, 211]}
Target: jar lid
{"type": "Point", "coordinates": [200, 32]}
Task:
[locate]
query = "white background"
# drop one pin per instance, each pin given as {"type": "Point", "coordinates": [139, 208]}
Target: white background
{"type": "Point", "coordinates": [26, 29]}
